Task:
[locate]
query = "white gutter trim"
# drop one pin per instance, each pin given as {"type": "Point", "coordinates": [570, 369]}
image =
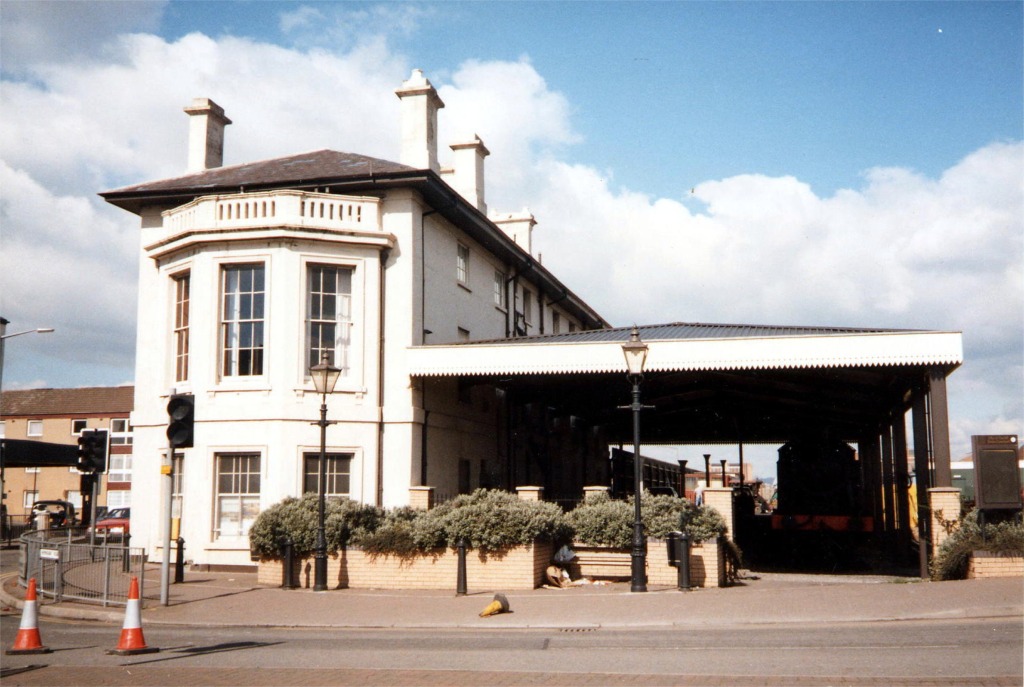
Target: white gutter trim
{"type": "Point", "coordinates": [824, 351]}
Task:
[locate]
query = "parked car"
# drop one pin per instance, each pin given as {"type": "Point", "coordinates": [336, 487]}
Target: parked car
{"type": "Point", "coordinates": [115, 521]}
{"type": "Point", "coordinates": [61, 513]}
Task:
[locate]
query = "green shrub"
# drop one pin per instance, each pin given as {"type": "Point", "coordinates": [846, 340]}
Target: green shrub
{"type": "Point", "coordinates": [489, 520]}
{"type": "Point", "coordinates": [951, 561]}
{"type": "Point", "coordinates": [296, 518]}
{"type": "Point", "coordinates": [393, 536]}
{"type": "Point", "coordinates": [603, 521]}
{"type": "Point", "coordinates": [704, 523]}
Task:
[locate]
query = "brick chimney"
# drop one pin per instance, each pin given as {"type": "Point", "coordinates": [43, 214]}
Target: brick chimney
{"type": "Point", "coordinates": [205, 134]}
{"type": "Point", "coordinates": [420, 104]}
{"type": "Point", "coordinates": [467, 177]}
{"type": "Point", "coordinates": [517, 226]}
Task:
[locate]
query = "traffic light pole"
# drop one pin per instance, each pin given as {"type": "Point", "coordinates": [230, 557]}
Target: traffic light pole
{"type": "Point", "coordinates": [167, 490]}
{"type": "Point", "coordinates": [181, 416]}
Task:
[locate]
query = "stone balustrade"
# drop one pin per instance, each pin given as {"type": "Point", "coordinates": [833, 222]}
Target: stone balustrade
{"type": "Point", "coordinates": [282, 208]}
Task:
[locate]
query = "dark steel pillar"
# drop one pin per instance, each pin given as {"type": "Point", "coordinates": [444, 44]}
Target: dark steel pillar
{"type": "Point", "coordinates": [923, 479]}
{"type": "Point", "coordinates": [888, 481]}
{"type": "Point", "coordinates": [940, 427]}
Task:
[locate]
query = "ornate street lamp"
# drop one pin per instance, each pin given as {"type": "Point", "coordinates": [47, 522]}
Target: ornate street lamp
{"type": "Point", "coordinates": [325, 376]}
{"type": "Point", "coordinates": [635, 351]}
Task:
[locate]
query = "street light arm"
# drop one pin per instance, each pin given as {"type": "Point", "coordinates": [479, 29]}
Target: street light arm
{"type": "Point", "coordinates": [40, 330]}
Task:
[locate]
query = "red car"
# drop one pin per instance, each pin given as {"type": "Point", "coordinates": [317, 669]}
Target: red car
{"type": "Point", "coordinates": [115, 521]}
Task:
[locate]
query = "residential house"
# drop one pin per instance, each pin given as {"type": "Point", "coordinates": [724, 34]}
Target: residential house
{"type": "Point", "coordinates": [59, 416]}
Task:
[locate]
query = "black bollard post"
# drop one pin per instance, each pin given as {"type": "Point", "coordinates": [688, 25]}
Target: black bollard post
{"type": "Point", "coordinates": [683, 556]}
{"type": "Point", "coordinates": [288, 563]}
{"type": "Point", "coordinates": [179, 566]}
{"type": "Point", "coordinates": [460, 582]}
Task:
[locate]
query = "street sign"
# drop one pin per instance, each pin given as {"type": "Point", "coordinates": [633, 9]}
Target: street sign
{"type": "Point", "coordinates": [50, 554]}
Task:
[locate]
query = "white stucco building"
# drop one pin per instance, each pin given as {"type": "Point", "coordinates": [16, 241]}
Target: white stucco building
{"type": "Point", "coordinates": [249, 273]}
{"type": "Point", "coordinates": [465, 363]}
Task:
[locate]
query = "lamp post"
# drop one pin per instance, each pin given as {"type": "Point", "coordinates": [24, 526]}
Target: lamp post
{"type": "Point", "coordinates": [4, 336]}
{"type": "Point", "coordinates": [325, 376]}
{"type": "Point", "coordinates": [636, 355]}
{"type": "Point", "coordinates": [3, 344]}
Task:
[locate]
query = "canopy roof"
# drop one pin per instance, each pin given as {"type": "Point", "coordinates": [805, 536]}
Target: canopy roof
{"type": "Point", "coordinates": [712, 383]}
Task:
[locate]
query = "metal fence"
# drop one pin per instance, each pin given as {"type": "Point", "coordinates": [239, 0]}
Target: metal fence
{"type": "Point", "coordinates": [68, 564]}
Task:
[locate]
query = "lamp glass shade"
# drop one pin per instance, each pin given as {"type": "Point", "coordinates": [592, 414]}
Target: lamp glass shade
{"type": "Point", "coordinates": [325, 376]}
{"type": "Point", "coordinates": [635, 352]}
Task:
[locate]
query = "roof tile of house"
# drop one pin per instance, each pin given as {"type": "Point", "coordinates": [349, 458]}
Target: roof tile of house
{"type": "Point", "coordinates": [95, 400]}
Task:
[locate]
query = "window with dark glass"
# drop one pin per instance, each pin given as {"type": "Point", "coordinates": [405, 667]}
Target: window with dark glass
{"type": "Point", "coordinates": [336, 473]}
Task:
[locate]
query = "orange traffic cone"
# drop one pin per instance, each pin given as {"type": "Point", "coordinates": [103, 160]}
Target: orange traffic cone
{"type": "Point", "coordinates": [28, 640]}
{"type": "Point", "coordinates": [499, 605]}
{"type": "Point", "coordinates": [132, 642]}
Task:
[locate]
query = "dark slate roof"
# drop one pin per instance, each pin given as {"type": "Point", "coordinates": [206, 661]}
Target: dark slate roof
{"type": "Point", "coordinates": [319, 165]}
{"type": "Point", "coordinates": [95, 400]}
{"type": "Point", "coordinates": [681, 331]}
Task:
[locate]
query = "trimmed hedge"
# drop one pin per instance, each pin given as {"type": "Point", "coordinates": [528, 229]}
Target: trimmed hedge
{"type": "Point", "coordinates": [603, 521]}
{"type": "Point", "coordinates": [296, 518]}
{"type": "Point", "coordinates": [488, 520]}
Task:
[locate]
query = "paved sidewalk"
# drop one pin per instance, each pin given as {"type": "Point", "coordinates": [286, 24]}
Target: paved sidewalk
{"type": "Point", "coordinates": [234, 599]}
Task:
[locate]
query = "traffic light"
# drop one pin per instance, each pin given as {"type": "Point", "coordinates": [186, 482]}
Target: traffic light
{"type": "Point", "coordinates": [92, 451]}
{"type": "Point", "coordinates": [181, 411]}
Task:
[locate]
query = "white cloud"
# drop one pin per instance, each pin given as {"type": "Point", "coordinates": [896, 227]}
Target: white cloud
{"type": "Point", "coordinates": [902, 251]}
{"type": "Point", "coordinates": [69, 266]}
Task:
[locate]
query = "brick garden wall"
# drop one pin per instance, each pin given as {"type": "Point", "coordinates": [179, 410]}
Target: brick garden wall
{"type": "Point", "coordinates": [986, 564]}
{"type": "Point", "coordinates": [519, 568]}
{"type": "Point", "coordinates": [707, 567]}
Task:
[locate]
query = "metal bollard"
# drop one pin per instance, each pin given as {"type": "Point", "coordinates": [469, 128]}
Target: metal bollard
{"type": "Point", "coordinates": [287, 563]}
{"type": "Point", "coordinates": [179, 565]}
{"type": "Point", "coordinates": [683, 558]}
{"type": "Point", "coordinates": [460, 583]}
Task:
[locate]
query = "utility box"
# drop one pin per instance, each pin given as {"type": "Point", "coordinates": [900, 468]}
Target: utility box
{"type": "Point", "coordinates": [997, 481]}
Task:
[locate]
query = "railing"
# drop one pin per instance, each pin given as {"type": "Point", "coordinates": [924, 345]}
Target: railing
{"type": "Point", "coordinates": [276, 208]}
{"type": "Point", "coordinates": [67, 566]}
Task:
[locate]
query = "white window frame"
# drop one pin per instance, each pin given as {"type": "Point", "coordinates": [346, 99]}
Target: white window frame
{"type": "Point", "coordinates": [556, 322]}
{"type": "Point", "coordinates": [119, 467]}
{"type": "Point", "coordinates": [28, 497]}
{"type": "Point", "coordinates": [340, 346]}
{"type": "Point", "coordinates": [34, 428]}
{"type": "Point", "coordinates": [119, 498]}
{"type": "Point", "coordinates": [182, 310]}
{"type": "Point", "coordinates": [78, 432]}
{"type": "Point", "coordinates": [122, 437]}
{"type": "Point", "coordinates": [235, 510]}
{"type": "Point", "coordinates": [462, 264]}
{"type": "Point", "coordinates": [500, 293]}
{"type": "Point", "coordinates": [338, 472]}
{"type": "Point", "coordinates": [240, 325]}
{"type": "Point", "coordinates": [527, 306]}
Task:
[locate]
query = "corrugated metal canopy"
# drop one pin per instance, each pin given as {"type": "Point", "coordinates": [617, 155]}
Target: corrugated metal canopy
{"type": "Point", "coordinates": [685, 346]}
{"type": "Point", "coordinates": [710, 383]}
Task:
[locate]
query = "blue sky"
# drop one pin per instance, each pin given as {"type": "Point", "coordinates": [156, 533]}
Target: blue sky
{"type": "Point", "coordinates": [821, 91]}
{"type": "Point", "coordinates": [831, 163]}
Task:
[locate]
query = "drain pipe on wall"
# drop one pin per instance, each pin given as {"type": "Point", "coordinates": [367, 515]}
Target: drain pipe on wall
{"type": "Point", "coordinates": [384, 255]}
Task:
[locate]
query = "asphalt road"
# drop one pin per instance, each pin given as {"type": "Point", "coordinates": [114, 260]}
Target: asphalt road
{"type": "Point", "coordinates": [979, 652]}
